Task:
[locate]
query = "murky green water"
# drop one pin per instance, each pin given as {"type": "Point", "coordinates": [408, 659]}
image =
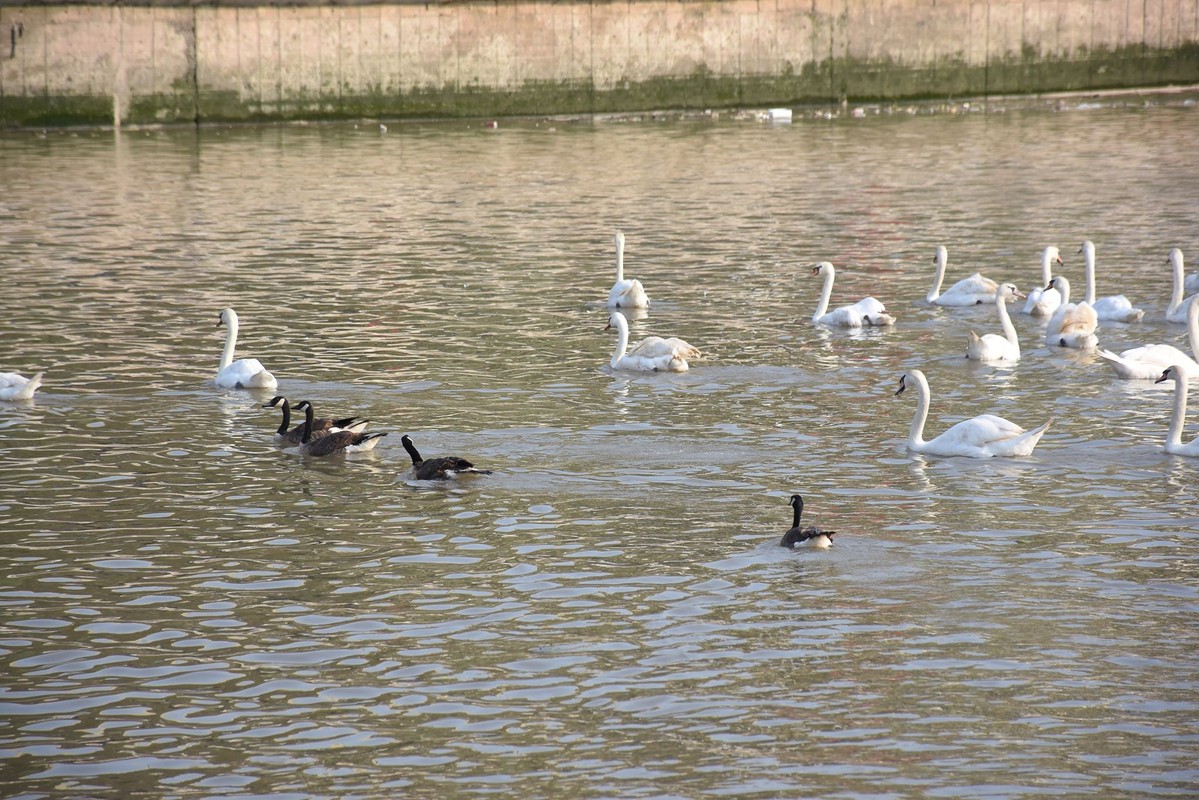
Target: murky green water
{"type": "Point", "coordinates": [189, 612]}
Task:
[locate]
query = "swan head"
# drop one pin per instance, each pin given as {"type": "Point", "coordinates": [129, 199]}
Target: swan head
{"type": "Point", "coordinates": [276, 400]}
{"type": "Point", "coordinates": [1061, 284]}
{"type": "Point", "coordinates": [942, 255]}
{"type": "Point", "coordinates": [1008, 290]}
{"type": "Point", "coordinates": [1087, 249]}
{"type": "Point", "coordinates": [1170, 374]}
{"type": "Point", "coordinates": [823, 268]}
{"type": "Point", "coordinates": [1176, 257]}
{"type": "Point", "coordinates": [1052, 254]}
{"type": "Point", "coordinates": [228, 317]}
{"type": "Point", "coordinates": [616, 320]}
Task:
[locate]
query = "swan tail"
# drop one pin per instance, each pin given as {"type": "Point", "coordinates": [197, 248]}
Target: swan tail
{"type": "Point", "coordinates": [1119, 366]}
{"type": "Point", "coordinates": [879, 320]}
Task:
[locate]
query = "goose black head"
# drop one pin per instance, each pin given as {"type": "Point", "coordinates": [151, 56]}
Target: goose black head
{"type": "Point", "coordinates": [796, 501]}
{"type": "Point", "coordinates": [276, 400]}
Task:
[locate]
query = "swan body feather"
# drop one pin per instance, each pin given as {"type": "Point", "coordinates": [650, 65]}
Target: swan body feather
{"type": "Point", "coordinates": [983, 436]}
{"type": "Point", "coordinates": [1147, 362]}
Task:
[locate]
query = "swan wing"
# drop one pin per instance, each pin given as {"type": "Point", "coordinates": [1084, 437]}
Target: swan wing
{"type": "Point", "coordinates": [984, 436]}
{"type": "Point", "coordinates": [991, 347]}
{"type": "Point", "coordinates": [662, 363]}
{"type": "Point", "coordinates": [1146, 363]}
{"type": "Point", "coordinates": [654, 347]}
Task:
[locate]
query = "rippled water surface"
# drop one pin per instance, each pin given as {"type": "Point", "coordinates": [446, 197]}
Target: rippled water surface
{"type": "Point", "coordinates": [191, 612]}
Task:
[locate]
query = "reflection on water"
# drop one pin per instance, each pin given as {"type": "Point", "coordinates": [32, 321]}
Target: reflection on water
{"type": "Point", "coordinates": [191, 611]}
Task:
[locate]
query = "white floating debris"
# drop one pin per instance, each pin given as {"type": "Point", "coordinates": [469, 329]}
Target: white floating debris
{"type": "Point", "coordinates": [779, 115]}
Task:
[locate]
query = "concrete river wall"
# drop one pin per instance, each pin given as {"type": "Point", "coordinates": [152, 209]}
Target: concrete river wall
{"type": "Point", "coordinates": [171, 62]}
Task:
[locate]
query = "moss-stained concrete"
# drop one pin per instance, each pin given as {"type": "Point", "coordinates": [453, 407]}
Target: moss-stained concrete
{"type": "Point", "coordinates": [165, 63]}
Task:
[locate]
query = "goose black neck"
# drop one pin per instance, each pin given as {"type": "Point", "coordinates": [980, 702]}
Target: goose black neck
{"type": "Point", "coordinates": [797, 503]}
{"type": "Point", "coordinates": [286, 417]}
{"type": "Point", "coordinates": [411, 448]}
{"type": "Point", "coordinates": [308, 414]}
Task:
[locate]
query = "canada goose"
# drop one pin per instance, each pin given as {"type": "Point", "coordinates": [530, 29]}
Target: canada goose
{"type": "Point", "coordinates": [436, 469]}
{"type": "Point", "coordinates": [320, 427]}
{"type": "Point", "coordinates": [245, 373]}
{"type": "Point", "coordinates": [809, 536]}
{"type": "Point", "coordinates": [334, 441]}
{"type": "Point", "coordinates": [866, 311]}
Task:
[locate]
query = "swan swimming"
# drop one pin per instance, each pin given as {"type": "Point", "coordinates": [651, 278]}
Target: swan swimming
{"type": "Point", "coordinates": [625, 293]}
{"type": "Point", "coordinates": [983, 436]}
{"type": "Point", "coordinates": [866, 311]}
{"type": "Point", "coordinates": [992, 346]}
{"type": "Point", "coordinates": [1113, 307]}
{"type": "Point", "coordinates": [14, 386]}
{"type": "Point", "coordinates": [1174, 443]}
{"type": "Point", "coordinates": [967, 292]}
{"type": "Point", "coordinates": [1146, 363]}
{"type": "Point", "coordinates": [437, 469]}
{"type": "Point", "coordinates": [652, 354]}
{"type": "Point", "coordinates": [800, 536]}
{"type": "Point", "coordinates": [1072, 324]}
{"type": "Point", "coordinates": [1043, 302]}
{"type": "Point", "coordinates": [245, 373]}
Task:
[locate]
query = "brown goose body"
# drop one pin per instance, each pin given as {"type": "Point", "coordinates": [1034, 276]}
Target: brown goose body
{"type": "Point", "coordinates": [804, 536]}
{"type": "Point", "coordinates": [343, 440]}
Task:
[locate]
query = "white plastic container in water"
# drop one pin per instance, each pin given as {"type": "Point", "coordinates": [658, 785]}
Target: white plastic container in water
{"type": "Point", "coordinates": [779, 115]}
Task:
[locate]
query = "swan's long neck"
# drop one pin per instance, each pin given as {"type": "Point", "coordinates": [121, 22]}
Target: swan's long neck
{"type": "Point", "coordinates": [916, 431]}
{"type": "Point", "coordinates": [1088, 257]}
{"type": "Point", "coordinates": [1179, 280]}
{"type": "Point", "coordinates": [622, 341]}
{"type": "Point", "coordinates": [1005, 319]}
{"type": "Point", "coordinates": [1193, 328]}
{"type": "Point", "coordinates": [1174, 435]}
{"type": "Point", "coordinates": [620, 257]}
{"type": "Point", "coordinates": [935, 292]}
{"type": "Point", "coordinates": [286, 417]}
{"type": "Point", "coordinates": [1047, 268]}
{"type": "Point", "coordinates": [825, 293]}
{"type": "Point", "coordinates": [1063, 288]}
{"type": "Point", "coordinates": [230, 342]}
{"type": "Point", "coordinates": [798, 513]}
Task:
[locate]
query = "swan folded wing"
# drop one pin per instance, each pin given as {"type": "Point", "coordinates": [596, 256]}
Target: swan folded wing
{"type": "Point", "coordinates": [1147, 362]}
{"type": "Point", "coordinates": [1117, 307]}
{"type": "Point", "coordinates": [666, 362]}
{"type": "Point", "coordinates": [655, 347]}
{"type": "Point", "coordinates": [1042, 302]}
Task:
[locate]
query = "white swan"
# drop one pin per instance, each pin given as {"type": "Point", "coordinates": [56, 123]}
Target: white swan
{"type": "Point", "coordinates": [1073, 324]}
{"type": "Point", "coordinates": [1174, 443]}
{"type": "Point", "coordinates": [652, 354]}
{"type": "Point", "coordinates": [983, 436]}
{"type": "Point", "coordinates": [1043, 302]}
{"type": "Point", "coordinates": [18, 387]}
{"type": "Point", "coordinates": [967, 292]}
{"type": "Point", "coordinates": [1146, 363]}
{"type": "Point", "coordinates": [1176, 312]}
{"type": "Point", "coordinates": [1114, 307]}
{"type": "Point", "coordinates": [245, 373]}
{"type": "Point", "coordinates": [991, 346]}
{"type": "Point", "coordinates": [866, 311]}
{"type": "Point", "coordinates": [625, 294]}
